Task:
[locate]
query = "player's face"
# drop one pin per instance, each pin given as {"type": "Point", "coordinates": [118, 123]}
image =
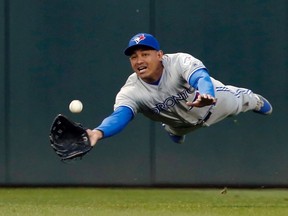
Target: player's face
{"type": "Point", "coordinates": [147, 64]}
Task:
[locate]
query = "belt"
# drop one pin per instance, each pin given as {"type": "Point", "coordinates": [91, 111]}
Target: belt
{"type": "Point", "coordinates": [201, 121]}
{"type": "Point", "coordinates": [207, 116]}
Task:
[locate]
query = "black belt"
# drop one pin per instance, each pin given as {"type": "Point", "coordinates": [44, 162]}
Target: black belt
{"type": "Point", "coordinates": [201, 121]}
{"type": "Point", "coordinates": [207, 117]}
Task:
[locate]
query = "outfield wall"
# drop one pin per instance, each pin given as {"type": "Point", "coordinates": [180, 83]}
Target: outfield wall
{"type": "Point", "coordinates": [52, 52]}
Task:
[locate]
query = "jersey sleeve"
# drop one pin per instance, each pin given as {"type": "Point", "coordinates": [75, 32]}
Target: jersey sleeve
{"type": "Point", "coordinates": [187, 64]}
{"type": "Point", "coordinates": [127, 96]}
{"type": "Point", "coordinates": [125, 100]}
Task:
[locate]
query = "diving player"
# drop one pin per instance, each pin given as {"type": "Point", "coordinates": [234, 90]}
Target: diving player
{"type": "Point", "coordinates": [176, 90]}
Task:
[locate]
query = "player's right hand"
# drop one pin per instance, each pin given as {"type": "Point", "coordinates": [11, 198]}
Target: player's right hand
{"type": "Point", "coordinates": [94, 136]}
{"type": "Point", "coordinates": [202, 100]}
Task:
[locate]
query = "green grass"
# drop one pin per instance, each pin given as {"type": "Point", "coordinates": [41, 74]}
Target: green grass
{"type": "Point", "coordinates": [139, 202]}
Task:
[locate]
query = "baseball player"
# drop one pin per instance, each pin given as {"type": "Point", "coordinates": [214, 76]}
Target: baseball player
{"type": "Point", "coordinates": [176, 90]}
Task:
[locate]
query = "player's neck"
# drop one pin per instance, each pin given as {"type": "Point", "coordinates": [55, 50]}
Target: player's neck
{"type": "Point", "coordinates": [155, 82]}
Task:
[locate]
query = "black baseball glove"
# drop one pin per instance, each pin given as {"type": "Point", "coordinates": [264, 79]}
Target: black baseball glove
{"type": "Point", "coordinates": [69, 139]}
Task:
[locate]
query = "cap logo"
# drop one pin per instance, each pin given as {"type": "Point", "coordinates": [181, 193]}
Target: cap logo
{"type": "Point", "coordinates": [139, 39]}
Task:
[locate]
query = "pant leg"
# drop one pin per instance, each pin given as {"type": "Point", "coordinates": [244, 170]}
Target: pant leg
{"type": "Point", "coordinates": [231, 100]}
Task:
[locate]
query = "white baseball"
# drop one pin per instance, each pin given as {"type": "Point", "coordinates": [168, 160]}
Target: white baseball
{"type": "Point", "coordinates": [76, 106]}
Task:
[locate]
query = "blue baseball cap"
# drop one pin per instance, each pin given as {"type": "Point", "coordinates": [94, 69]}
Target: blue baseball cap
{"type": "Point", "coordinates": [142, 39]}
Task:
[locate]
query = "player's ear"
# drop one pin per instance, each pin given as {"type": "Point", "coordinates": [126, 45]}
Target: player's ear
{"type": "Point", "coordinates": [160, 53]}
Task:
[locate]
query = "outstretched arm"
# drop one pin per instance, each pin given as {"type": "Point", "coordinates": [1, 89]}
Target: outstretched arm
{"type": "Point", "coordinates": [201, 81]}
{"type": "Point", "coordinates": [111, 125]}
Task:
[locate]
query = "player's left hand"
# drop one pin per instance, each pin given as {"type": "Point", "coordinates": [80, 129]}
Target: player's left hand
{"type": "Point", "coordinates": [69, 139]}
{"type": "Point", "coordinates": [202, 100]}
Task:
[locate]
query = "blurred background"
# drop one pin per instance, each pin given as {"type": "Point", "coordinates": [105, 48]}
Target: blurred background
{"type": "Point", "coordinates": [52, 52]}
